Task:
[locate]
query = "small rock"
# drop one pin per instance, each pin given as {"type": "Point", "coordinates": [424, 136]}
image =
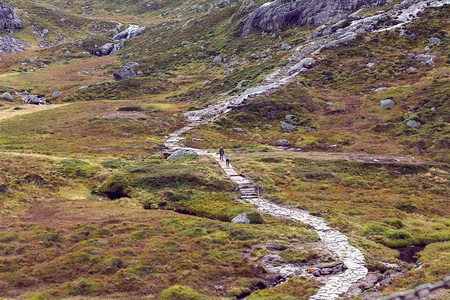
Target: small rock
{"type": "Point", "coordinates": [257, 136]}
{"type": "Point", "coordinates": [299, 83]}
{"type": "Point", "coordinates": [330, 103]}
{"type": "Point", "coordinates": [282, 142]}
{"type": "Point", "coordinates": [197, 140]}
{"type": "Point", "coordinates": [287, 126]}
{"type": "Point", "coordinates": [241, 219]}
{"type": "Point", "coordinates": [237, 129]}
{"type": "Point", "coordinates": [288, 117]}
{"type": "Point", "coordinates": [387, 103]}
{"type": "Point", "coordinates": [218, 59]}
{"type": "Point", "coordinates": [412, 69]}
{"type": "Point", "coordinates": [83, 87]}
{"type": "Point", "coordinates": [370, 65]}
{"type": "Point", "coordinates": [413, 123]}
{"type": "Point", "coordinates": [56, 94]}
{"type": "Point", "coordinates": [285, 47]}
{"type": "Point", "coordinates": [7, 96]}
{"type": "Point", "coordinates": [434, 41]}
{"type": "Point", "coordinates": [207, 82]}
{"type": "Point", "coordinates": [433, 109]}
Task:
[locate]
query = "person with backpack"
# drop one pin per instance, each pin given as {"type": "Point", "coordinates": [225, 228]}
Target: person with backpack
{"type": "Point", "coordinates": [221, 153]}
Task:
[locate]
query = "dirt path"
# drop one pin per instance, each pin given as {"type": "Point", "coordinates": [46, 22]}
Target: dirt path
{"type": "Point", "coordinates": [25, 110]}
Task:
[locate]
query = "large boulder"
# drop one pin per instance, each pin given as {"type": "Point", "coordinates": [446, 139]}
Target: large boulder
{"type": "Point", "coordinates": [241, 219]}
{"type": "Point", "coordinates": [274, 15]}
{"type": "Point", "coordinates": [7, 96]}
{"type": "Point", "coordinates": [124, 73]}
{"type": "Point", "coordinates": [179, 153]}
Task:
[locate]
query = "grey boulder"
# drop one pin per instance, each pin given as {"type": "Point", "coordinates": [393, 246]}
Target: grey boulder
{"type": "Point", "coordinates": [413, 123]}
{"type": "Point", "coordinates": [287, 126]}
{"type": "Point", "coordinates": [241, 219]}
{"type": "Point", "coordinates": [387, 103]}
{"type": "Point", "coordinates": [179, 153]}
{"type": "Point", "coordinates": [124, 73]}
{"type": "Point", "coordinates": [7, 96]}
{"type": "Point", "coordinates": [56, 94]}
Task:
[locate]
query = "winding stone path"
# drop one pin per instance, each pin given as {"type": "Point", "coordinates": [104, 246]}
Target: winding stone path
{"type": "Point", "coordinates": [335, 241]}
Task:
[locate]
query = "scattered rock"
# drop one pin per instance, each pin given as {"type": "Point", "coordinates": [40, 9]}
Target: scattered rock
{"type": "Point", "coordinates": [379, 89]}
{"type": "Point", "coordinates": [241, 219]}
{"type": "Point", "coordinates": [434, 41]}
{"type": "Point", "coordinates": [387, 103]}
{"type": "Point", "coordinates": [207, 82]}
{"type": "Point", "coordinates": [289, 117]}
{"type": "Point", "coordinates": [83, 87]}
{"type": "Point", "coordinates": [413, 123]}
{"type": "Point", "coordinates": [288, 126]}
{"type": "Point", "coordinates": [124, 73]}
{"type": "Point", "coordinates": [285, 47]}
{"type": "Point", "coordinates": [7, 96]}
{"type": "Point", "coordinates": [370, 65]}
{"type": "Point", "coordinates": [56, 94]}
{"type": "Point", "coordinates": [282, 142]}
{"type": "Point", "coordinates": [218, 59]}
{"type": "Point", "coordinates": [132, 64]}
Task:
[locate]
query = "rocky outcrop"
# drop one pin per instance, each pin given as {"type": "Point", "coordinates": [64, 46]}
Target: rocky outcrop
{"type": "Point", "coordinates": [9, 19]}
{"type": "Point", "coordinates": [130, 32]}
{"type": "Point", "coordinates": [274, 15]}
{"type": "Point", "coordinates": [107, 49]}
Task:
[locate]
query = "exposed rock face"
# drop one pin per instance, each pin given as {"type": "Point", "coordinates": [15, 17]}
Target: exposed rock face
{"type": "Point", "coordinates": [9, 19]}
{"type": "Point", "coordinates": [131, 31]}
{"type": "Point", "coordinates": [107, 49]}
{"type": "Point", "coordinates": [274, 15]}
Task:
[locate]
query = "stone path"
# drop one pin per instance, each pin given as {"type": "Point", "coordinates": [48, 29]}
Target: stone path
{"type": "Point", "coordinates": [335, 241]}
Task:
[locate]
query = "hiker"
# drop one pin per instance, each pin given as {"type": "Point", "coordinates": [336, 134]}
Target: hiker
{"type": "Point", "coordinates": [227, 159]}
{"type": "Point", "coordinates": [221, 152]}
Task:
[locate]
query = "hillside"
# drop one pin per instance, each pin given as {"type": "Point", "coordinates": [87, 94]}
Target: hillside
{"type": "Point", "coordinates": [335, 114]}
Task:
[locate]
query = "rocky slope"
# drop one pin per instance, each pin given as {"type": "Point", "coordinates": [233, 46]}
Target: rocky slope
{"type": "Point", "coordinates": [273, 16]}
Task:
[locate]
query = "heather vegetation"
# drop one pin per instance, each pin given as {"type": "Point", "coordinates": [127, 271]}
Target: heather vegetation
{"type": "Point", "coordinates": [90, 206]}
